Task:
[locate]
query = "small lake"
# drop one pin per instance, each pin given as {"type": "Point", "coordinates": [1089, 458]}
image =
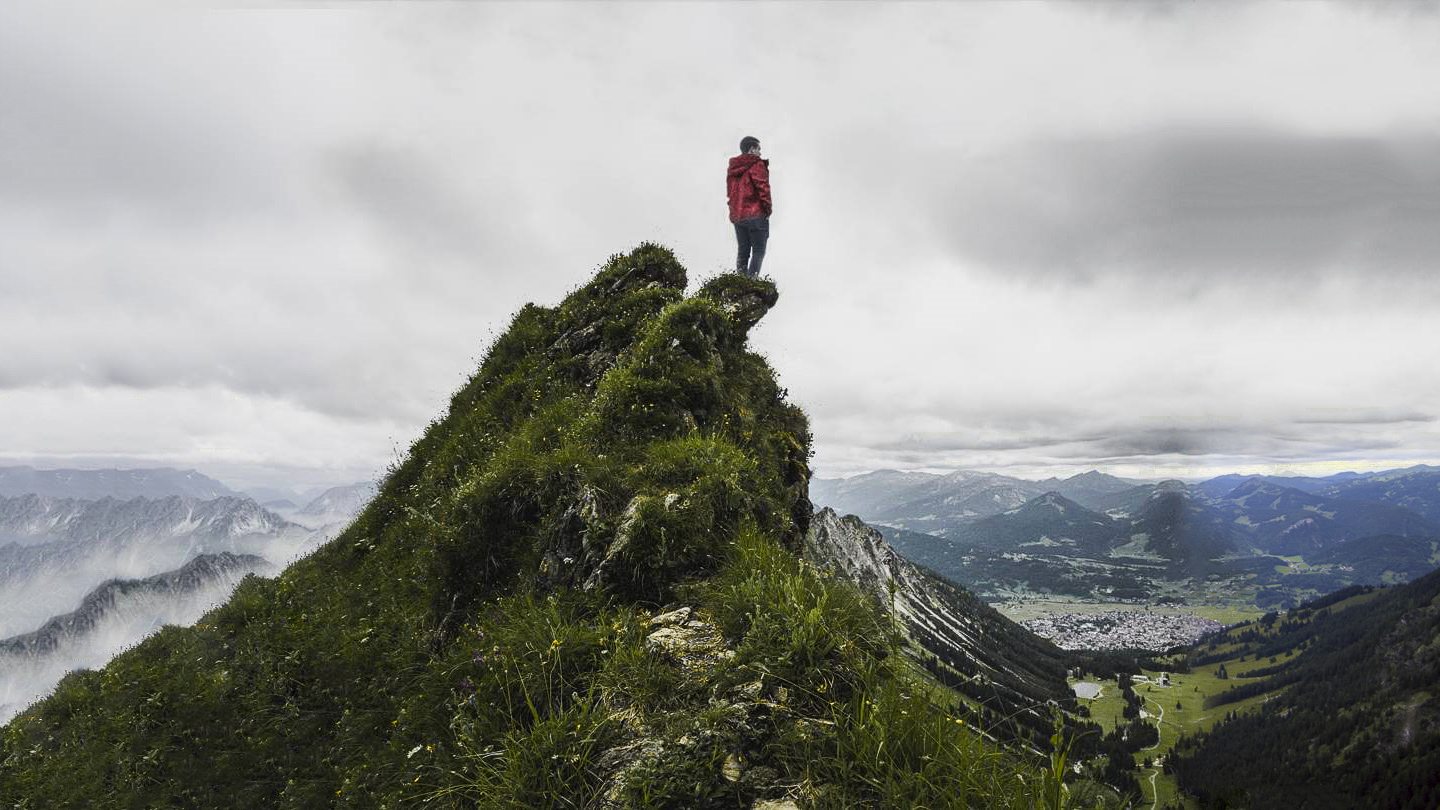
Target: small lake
{"type": "Point", "coordinates": [1086, 689]}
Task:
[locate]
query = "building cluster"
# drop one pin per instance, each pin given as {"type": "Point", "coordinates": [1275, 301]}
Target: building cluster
{"type": "Point", "coordinates": [1121, 630]}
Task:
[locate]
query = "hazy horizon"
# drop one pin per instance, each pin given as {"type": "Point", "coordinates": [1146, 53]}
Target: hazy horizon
{"type": "Point", "coordinates": [1030, 474]}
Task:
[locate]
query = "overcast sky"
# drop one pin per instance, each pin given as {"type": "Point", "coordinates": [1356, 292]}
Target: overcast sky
{"type": "Point", "coordinates": [1160, 240]}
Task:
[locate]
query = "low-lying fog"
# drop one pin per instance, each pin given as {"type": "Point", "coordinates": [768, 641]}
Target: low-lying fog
{"type": "Point", "coordinates": [53, 561]}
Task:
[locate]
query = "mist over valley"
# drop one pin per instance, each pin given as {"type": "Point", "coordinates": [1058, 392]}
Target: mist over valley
{"type": "Point", "coordinates": [96, 560]}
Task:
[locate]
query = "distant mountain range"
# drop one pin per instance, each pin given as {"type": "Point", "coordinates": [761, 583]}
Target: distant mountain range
{"type": "Point", "coordinates": [331, 507]}
{"type": "Point", "coordinates": [97, 604]}
{"type": "Point", "coordinates": [935, 504]}
{"type": "Point", "coordinates": [55, 550]}
{"type": "Point", "coordinates": [134, 549]}
{"type": "Point", "coordinates": [339, 502]}
{"type": "Point", "coordinates": [116, 614]}
{"type": "Point", "coordinates": [158, 482]}
{"type": "Point", "coordinates": [1279, 539]}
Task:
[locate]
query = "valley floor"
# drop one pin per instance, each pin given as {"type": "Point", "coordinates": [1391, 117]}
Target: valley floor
{"type": "Point", "coordinates": [1177, 708]}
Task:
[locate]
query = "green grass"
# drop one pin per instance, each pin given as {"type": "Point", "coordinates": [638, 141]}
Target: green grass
{"type": "Point", "coordinates": [1190, 691]}
{"type": "Point", "coordinates": [867, 731]}
{"type": "Point", "coordinates": [478, 635]}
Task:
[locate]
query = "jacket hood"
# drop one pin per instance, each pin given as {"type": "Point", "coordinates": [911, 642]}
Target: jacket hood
{"type": "Point", "coordinates": [740, 163]}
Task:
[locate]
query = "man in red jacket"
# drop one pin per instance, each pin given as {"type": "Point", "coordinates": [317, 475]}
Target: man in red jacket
{"type": "Point", "coordinates": [747, 182]}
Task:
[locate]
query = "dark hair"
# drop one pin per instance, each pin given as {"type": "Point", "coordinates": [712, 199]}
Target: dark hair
{"type": "Point", "coordinates": [748, 142]}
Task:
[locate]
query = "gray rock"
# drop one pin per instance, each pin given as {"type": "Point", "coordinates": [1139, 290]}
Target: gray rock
{"type": "Point", "coordinates": [619, 762]}
{"type": "Point", "coordinates": [733, 768]}
{"type": "Point", "coordinates": [694, 645]}
{"type": "Point", "coordinates": [676, 616]}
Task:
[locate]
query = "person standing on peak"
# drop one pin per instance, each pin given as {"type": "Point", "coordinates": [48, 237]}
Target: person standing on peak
{"type": "Point", "coordinates": [747, 183]}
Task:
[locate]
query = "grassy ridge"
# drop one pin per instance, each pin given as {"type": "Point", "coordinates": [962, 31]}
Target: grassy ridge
{"type": "Point", "coordinates": [485, 631]}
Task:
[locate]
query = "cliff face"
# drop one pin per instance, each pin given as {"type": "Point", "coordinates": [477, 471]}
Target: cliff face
{"type": "Point", "coordinates": [582, 588]}
{"type": "Point", "coordinates": [1005, 670]}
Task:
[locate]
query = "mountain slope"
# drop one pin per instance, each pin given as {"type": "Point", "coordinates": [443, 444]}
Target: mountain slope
{"type": "Point", "coordinates": [869, 494]}
{"type": "Point", "coordinates": [1220, 485]}
{"type": "Point", "coordinates": [1185, 531]}
{"type": "Point", "coordinates": [1048, 520]}
{"type": "Point", "coordinates": [937, 504]}
{"type": "Point", "coordinates": [1005, 668]}
{"type": "Point", "coordinates": [960, 496]}
{"type": "Point", "coordinates": [581, 588]}
{"type": "Point", "coordinates": [1352, 720]}
{"type": "Point", "coordinates": [1416, 489]}
{"type": "Point", "coordinates": [30, 519]}
{"type": "Point", "coordinates": [1383, 559]}
{"type": "Point", "coordinates": [1282, 520]}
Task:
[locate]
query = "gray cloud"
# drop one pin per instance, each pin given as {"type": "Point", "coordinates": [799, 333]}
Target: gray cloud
{"type": "Point", "coordinates": [1367, 417]}
{"type": "Point", "coordinates": [1171, 441]}
{"type": "Point", "coordinates": [400, 192]}
{"type": "Point", "coordinates": [277, 236]}
{"type": "Point", "coordinates": [102, 113]}
{"type": "Point", "coordinates": [956, 441]}
{"type": "Point", "coordinates": [1138, 439]}
{"type": "Point", "coordinates": [1196, 205]}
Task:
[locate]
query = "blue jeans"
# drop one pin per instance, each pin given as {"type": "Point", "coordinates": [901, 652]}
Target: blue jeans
{"type": "Point", "coordinates": [752, 234]}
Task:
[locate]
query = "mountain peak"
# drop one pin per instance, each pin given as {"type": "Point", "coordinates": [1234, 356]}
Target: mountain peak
{"type": "Point", "coordinates": [1051, 500]}
{"type": "Point", "coordinates": [583, 582]}
{"type": "Point", "coordinates": [1250, 486]}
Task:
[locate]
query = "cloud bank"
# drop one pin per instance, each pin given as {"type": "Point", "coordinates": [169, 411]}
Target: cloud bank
{"type": "Point", "coordinates": [1032, 238]}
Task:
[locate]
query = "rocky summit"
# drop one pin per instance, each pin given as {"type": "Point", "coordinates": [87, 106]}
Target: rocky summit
{"type": "Point", "coordinates": [585, 586]}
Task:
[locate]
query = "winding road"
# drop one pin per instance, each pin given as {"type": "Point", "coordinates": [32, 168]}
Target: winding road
{"type": "Point", "coordinates": [1155, 771]}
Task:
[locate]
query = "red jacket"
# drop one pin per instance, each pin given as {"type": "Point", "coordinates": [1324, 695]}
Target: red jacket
{"type": "Point", "coordinates": [747, 183]}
